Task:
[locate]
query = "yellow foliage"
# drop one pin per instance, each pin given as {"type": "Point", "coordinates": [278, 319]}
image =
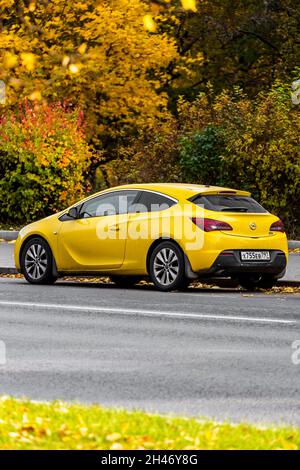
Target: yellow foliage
{"type": "Point", "coordinates": [9, 60]}
{"type": "Point", "coordinates": [98, 55]}
{"type": "Point", "coordinates": [113, 437]}
{"type": "Point", "coordinates": [82, 48]}
{"type": "Point", "coordinates": [28, 60]}
{"type": "Point", "coordinates": [74, 68]}
{"type": "Point", "coordinates": [189, 5]}
{"type": "Point", "coordinates": [36, 95]}
{"type": "Point", "coordinates": [149, 23]}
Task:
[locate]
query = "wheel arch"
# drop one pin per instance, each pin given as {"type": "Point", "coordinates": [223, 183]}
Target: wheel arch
{"type": "Point", "coordinates": [31, 237]}
{"type": "Point", "coordinates": [188, 270]}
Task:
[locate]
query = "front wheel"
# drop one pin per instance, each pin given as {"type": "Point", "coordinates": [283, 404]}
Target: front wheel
{"type": "Point", "coordinates": [167, 268]}
{"type": "Point", "coordinates": [37, 262]}
{"type": "Point", "coordinates": [254, 282]}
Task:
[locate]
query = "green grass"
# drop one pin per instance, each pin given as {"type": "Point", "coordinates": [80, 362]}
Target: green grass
{"type": "Point", "coordinates": [57, 425]}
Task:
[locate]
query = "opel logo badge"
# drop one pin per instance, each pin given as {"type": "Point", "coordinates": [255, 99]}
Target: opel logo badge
{"type": "Point", "coordinates": [252, 226]}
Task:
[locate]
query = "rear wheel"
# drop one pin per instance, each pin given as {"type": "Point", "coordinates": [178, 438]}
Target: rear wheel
{"type": "Point", "coordinates": [167, 268]}
{"type": "Point", "coordinates": [257, 281]}
{"type": "Point", "coordinates": [125, 281]}
{"type": "Point", "coordinates": [37, 262]}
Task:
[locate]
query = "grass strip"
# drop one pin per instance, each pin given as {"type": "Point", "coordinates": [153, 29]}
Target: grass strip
{"type": "Point", "coordinates": [57, 425]}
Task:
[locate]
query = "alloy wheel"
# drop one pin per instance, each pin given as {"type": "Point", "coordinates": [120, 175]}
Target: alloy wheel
{"type": "Point", "coordinates": [166, 266]}
{"type": "Point", "coordinates": [36, 261]}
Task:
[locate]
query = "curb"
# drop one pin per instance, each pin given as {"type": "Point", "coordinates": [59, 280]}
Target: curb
{"type": "Point", "coordinates": [8, 271]}
{"type": "Point", "coordinates": [8, 235]}
{"type": "Point", "coordinates": [294, 244]}
{"type": "Point", "coordinates": [228, 283]}
{"type": "Point", "coordinates": [288, 283]}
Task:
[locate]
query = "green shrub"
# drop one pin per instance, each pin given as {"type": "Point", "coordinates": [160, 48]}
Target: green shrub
{"type": "Point", "coordinates": [201, 155]}
{"type": "Point", "coordinates": [43, 159]}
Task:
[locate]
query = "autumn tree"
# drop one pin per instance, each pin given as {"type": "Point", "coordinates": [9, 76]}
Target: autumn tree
{"type": "Point", "coordinates": [230, 42]}
{"type": "Point", "coordinates": [98, 55]}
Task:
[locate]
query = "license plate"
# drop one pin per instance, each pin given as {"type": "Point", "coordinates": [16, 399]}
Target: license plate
{"type": "Point", "coordinates": [255, 255]}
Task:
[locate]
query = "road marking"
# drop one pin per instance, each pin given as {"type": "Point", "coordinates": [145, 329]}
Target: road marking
{"type": "Point", "coordinates": [152, 313]}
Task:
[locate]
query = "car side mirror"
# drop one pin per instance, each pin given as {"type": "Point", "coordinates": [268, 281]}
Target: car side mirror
{"type": "Point", "coordinates": [73, 213]}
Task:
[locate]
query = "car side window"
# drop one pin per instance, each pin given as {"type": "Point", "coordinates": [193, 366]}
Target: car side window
{"type": "Point", "coordinates": [153, 202]}
{"type": "Point", "coordinates": [127, 199]}
{"type": "Point", "coordinates": [118, 202]}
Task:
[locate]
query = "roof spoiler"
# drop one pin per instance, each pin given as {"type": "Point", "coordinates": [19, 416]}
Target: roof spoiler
{"type": "Point", "coordinates": [226, 191]}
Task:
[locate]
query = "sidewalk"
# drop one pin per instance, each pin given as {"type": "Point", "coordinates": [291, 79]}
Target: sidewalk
{"type": "Point", "coordinates": [7, 263]}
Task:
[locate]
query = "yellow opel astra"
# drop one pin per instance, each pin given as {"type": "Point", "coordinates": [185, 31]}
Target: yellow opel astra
{"type": "Point", "coordinates": [170, 233]}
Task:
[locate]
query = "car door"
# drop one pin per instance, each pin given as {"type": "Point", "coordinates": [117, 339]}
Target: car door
{"type": "Point", "coordinates": [149, 220]}
{"type": "Point", "coordinates": [96, 240]}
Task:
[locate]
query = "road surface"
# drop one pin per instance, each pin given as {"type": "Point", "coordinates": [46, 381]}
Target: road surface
{"type": "Point", "coordinates": [216, 353]}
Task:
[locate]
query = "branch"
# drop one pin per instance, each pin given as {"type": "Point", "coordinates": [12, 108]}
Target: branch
{"type": "Point", "coordinates": [258, 36]}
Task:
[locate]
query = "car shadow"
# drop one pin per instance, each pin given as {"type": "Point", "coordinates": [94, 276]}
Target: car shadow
{"type": "Point", "coordinates": [146, 287]}
{"type": "Point", "coordinates": [225, 286]}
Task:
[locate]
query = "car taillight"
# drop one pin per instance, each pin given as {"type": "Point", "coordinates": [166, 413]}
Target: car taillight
{"type": "Point", "coordinates": [210, 225]}
{"type": "Point", "coordinates": [277, 226]}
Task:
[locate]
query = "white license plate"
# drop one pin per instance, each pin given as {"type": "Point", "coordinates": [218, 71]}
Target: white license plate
{"type": "Point", "coordinates": [255, 255]}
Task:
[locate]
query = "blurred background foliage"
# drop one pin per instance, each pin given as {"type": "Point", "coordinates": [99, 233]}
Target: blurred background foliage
{"type": "Point", "coordinates": [177, 90]}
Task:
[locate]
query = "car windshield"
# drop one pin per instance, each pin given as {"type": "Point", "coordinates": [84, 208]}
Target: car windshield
{"type": "Point", "coordinates": [228, 203]}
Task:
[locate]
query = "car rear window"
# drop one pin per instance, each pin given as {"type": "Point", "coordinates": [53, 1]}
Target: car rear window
{"type": "Point", "coordinates": [228, 203]}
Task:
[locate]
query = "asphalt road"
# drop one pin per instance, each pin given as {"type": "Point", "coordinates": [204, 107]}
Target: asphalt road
{"type": "Point", "coordinates": [219, 353]}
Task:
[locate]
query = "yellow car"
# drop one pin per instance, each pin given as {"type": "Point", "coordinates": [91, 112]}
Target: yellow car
{"type": "Point", "coordinates": [172, 233]}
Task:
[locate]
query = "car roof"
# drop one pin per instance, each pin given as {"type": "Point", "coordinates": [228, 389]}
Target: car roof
{"type": "Point", "coordinates": [182, 190]}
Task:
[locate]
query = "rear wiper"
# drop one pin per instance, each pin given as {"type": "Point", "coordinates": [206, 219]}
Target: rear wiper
{"type": "Point", "coordinates": [234, 209]}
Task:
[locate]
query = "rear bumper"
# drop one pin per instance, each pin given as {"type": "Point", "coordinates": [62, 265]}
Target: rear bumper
{"type": "Point", "coordinates": [229, 263]}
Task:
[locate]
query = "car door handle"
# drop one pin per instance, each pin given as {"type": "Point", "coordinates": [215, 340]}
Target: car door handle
{"type": "Point", "coordinates": [114, 228]}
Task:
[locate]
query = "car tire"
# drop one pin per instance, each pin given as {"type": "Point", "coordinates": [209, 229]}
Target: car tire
{"type": "Point", "coordinates": [184, 285]}
{"type": "Point", "coordinates": [251, 283]}
{"type": "Point", "coordinates": [125, 281]}
{"type": "Point", "coordinates": [167, 267]}
{"type": "Point", "coordinates": [37, 262]}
